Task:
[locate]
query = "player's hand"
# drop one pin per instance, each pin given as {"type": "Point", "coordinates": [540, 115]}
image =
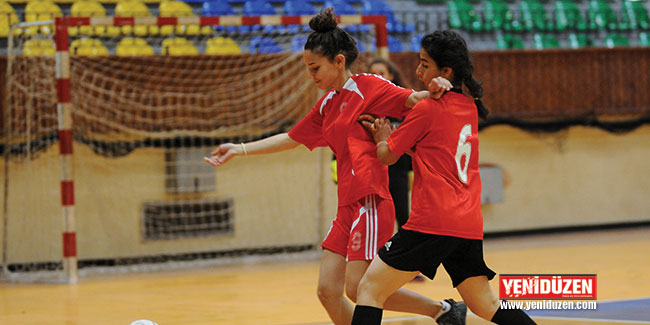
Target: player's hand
{"type": "Point", "coordinates": [438, 86]}
{"type": "Point", "coordinates": [223, 153]}
{"type": "Point", "coordinates": [381, 129]}
{"type": "Point", "coordinates": [366, 120]}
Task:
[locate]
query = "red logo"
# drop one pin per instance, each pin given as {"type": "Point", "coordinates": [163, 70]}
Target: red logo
{"type": "Point", "coordinates": [547, 286]}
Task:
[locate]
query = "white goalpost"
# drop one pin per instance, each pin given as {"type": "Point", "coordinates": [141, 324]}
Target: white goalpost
{"type": "Point", "coordinates": [102, 150]}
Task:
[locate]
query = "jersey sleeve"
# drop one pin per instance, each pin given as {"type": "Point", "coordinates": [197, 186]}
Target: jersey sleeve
{"type": "Point", "coordinates": [387, 98]}
{"type": "Point", "coordinates": [416, 126]}
{"type": "Point", "coordinates": [309, 131]}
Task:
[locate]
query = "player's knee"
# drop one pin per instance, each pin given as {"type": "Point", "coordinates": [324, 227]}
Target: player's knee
{"type": "Point", "coordinates": [483, 308]}
{"type": "Point", "coordinates": [365, 291]}
{"type": "Point", "coordinates": [327, 292]}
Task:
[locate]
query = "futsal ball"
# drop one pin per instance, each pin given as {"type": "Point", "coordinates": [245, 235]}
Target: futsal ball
{"type": "Point", "coordinates": [143, 322]}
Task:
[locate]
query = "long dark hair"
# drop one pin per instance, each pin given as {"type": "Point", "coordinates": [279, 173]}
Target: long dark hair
{"type": "Point", "coordinates": [328, 40]}
{"type": "Point", "coordinates": [398, 79]}
{"type": "Point", "coordinates": [449, 49]}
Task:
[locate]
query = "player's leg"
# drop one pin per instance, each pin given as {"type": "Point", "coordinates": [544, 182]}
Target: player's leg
{"type": "Point", "coordinates": [331, 278]}
{"type": "Point", "coordinates": [379, 282]}
{"type": "Point", "coordinates": [331, 286]}
{"type": "Point", "coordinates": [478, 296]}
{"type": "Point", "coordinates": [401, 300]}
{"type": "Point", "coordinates": [470, 275]}
{"type": "Point", "coordinates": [369, 234]}
{"type": "Point", "coordinates": [481, 301]}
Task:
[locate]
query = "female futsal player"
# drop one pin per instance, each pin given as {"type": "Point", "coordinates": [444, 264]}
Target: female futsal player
{"type": "Point", "coordinates": [446, 225]}
{"type": "Point", "coordinates": [365, 215]}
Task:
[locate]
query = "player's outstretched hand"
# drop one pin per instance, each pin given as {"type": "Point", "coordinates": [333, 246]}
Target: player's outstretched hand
{"type": "Point", "coordinates": [222, 154]}
{"type": "Point", "coordinates": [438, 86]}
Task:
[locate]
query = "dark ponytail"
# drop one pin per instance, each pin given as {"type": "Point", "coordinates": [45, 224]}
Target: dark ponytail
{"type": "Point", "coordinates": [476, 90]}
{"type": "Point", "coordinates": [328, 40]}
{"type": "Point", "coordinates": [449, 49]}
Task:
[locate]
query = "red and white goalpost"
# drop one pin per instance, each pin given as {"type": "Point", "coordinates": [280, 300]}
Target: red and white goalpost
{"type": "Point", "coordinates": [139, 126]}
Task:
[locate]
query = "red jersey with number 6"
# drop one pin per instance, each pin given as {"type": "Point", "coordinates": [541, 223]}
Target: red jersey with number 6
{"type": "Point", "coordinates": [443, 135]}
{"type": "Point", "coordinates": [333, 122]}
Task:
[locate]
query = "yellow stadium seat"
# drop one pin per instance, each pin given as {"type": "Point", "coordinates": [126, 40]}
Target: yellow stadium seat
{"type": "Point", "coordinates": [90, 8]}
{"type": "Point", "coordinates": [135, 8]}
{"type": "Point", "coordinates": [8, 18]}
{"type": "Point", "coordinates": [47, 47]}
{"type": "Point", "coordinates": [130, 46]}
{"type": "Point", "coordinates": [31, 48]}
{"type": "Point", "coordinates": [37, 47]}
{"type": "Point", "coordinates": [176, 46]}
{"type": "Point", "coordinates": [38, 10]}
{"type": "Point", "coordinates": [88, 47]}
{"type": "Point", "coordinates": [172, 8]}
{"type": "Point", "coordinates": [221, 45]}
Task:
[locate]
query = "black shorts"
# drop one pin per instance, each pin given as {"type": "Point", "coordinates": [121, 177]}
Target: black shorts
{"type": "Point", "coordinates": [415, 251]}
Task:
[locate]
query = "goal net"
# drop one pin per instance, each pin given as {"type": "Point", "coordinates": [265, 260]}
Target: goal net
{"type": "Point", "coordinates": [104, 134]}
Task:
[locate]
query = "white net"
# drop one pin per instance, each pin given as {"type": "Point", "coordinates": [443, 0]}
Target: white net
{"type": "Point", "coordinates": [145, 111]}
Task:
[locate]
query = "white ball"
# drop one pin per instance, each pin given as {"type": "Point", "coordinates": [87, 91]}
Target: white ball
{"type": "Point", "coordinates": [143, 322]}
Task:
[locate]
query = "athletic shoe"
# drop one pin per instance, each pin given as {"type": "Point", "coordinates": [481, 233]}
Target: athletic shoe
{"type": "Point", "coordinates": [455, 316]}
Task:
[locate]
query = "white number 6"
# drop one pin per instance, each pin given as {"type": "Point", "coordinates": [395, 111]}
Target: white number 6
{"type": "Point", "coordinates": [464, 149]}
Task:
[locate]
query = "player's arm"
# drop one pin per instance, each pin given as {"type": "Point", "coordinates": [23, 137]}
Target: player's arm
{"type": "Point", "coordinates": [227, 151]}
{"type": "Point", "coordinates": [436, 88]}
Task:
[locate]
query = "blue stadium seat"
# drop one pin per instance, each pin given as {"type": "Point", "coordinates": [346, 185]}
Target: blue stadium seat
{"type": "Point", "coordinates": [258, 8]}
{"type": "Point", "coordinates": [343, 7]}
{"type": "Point", "coordinates": [219, 8]}
{"type": "Point", "coordinates": [298, 8]}
{"type": "Point", "coordinates": [395, 45]}
{"type": "Point", "coordinates": [415, 42]}
{"type": "Point", "coordinates": [362, 47]}
{"type": "Point", "coordinates": [298, 43]}
{"type": "Point", "coordinates": [264, 44]}
{"type": "Point", "coordinates": [379, 7]}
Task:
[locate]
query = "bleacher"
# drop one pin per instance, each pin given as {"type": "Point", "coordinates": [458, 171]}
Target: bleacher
{"type": "Point", "coordinates": [487, 24]}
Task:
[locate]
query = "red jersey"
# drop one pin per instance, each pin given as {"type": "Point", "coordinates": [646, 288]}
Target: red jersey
{"type": "Point", "coordinates": [447, 187]}
{"type": "Point", "coordinates": [333, 122]}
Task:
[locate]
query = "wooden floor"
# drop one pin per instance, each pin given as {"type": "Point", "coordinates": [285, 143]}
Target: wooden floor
{"type": "Point", "coordinates": [284, 292]}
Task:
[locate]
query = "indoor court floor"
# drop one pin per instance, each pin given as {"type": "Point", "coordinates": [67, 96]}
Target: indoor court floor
{"type": "Point", "coordinates": [282, 290]}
